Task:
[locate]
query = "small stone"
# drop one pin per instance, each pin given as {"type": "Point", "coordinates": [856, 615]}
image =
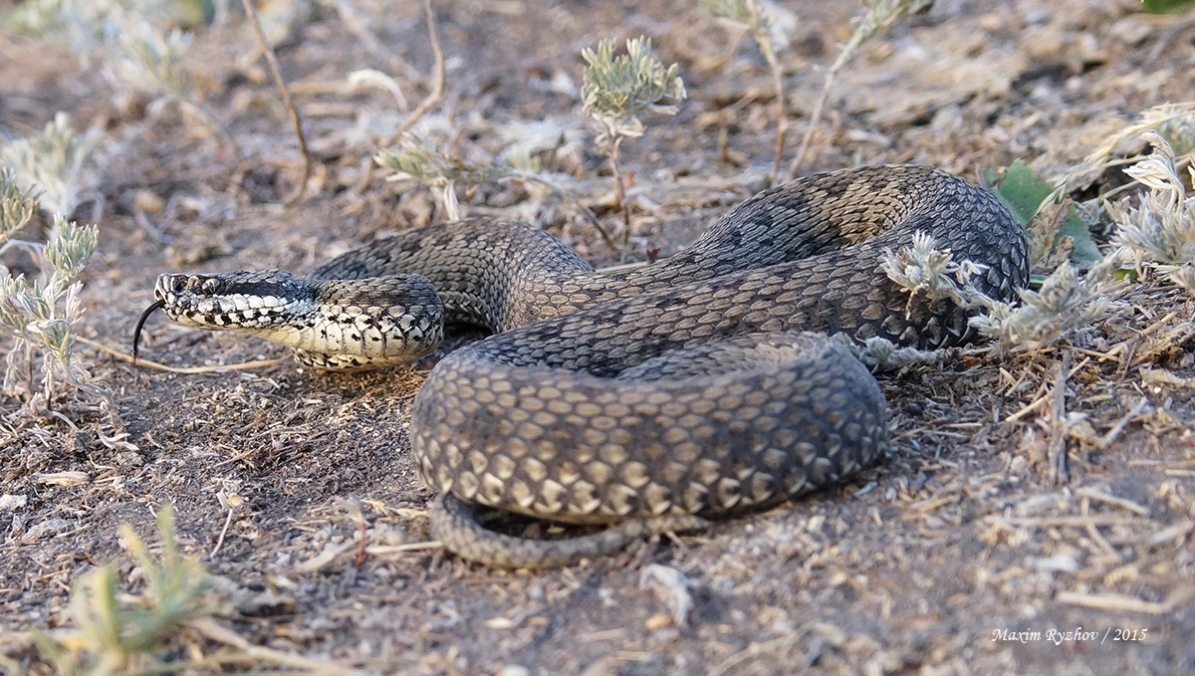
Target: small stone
{"type": "Point", "coordinates": [9, 502]}
{"type": "Point", "coordinates": [1131, 31]}
{"type": "Point", "coordinates": [658, 621]}
{"type": "Point", "coordinates": [991, 22]}
{"type": "Point", "coordinates": [149, 202]}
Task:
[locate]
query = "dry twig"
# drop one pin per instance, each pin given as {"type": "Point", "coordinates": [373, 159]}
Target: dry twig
{"type": "Point", "coordinates": [295, 121]}
{"type": "Point", "coordinates": [125, 356]}
{"type": "Point", "coordinates": [1057, 453]}
{"type": "Point", "coordinates": [438, 78]}
{"type": "Point", "coordinates": [880, 15]}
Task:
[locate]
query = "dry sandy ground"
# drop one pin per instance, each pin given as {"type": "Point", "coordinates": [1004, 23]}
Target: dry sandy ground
{"type": "Point", "coordinates": [932, 563]}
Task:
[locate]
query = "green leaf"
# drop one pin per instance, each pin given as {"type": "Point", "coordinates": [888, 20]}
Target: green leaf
{"type": "Point", "coordinates": [1166, 6]}
{"type": "Point", "coordinates": [1127, 274]}
{"type": "Point", "coordinates": [1022, 190]}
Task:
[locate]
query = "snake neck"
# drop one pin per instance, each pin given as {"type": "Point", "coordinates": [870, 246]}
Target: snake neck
{"type": "Point", "coordinates": [498, 275]}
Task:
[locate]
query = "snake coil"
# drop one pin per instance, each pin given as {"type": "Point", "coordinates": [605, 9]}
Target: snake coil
{"type": "Point", "coordinates": [649, 400]}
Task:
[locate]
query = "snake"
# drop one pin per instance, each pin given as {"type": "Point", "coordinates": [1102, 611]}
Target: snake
{"type": "Point", "coordinates": [618, 405]}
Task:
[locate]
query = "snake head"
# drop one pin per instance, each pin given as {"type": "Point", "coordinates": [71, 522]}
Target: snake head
{"type": "Point", "coordinates": [250, 302]}
{"type": "Point", "coordinates": [334, 324]}
{"type": "Point", "coordinates": [239, 301]}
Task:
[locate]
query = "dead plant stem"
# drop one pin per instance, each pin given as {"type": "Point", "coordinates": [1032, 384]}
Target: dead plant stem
{"type": "Point", "coordinates": [295, 121]}
{"type": "Point", "coordinates": [585, 211]}
{"type": "Point", "coordinates": [1057, 454]}
{"type": "Point", "coordinates": [438, 77]}
{"type": "Point", "coordinates": [620, 194]}
{"type": "Point", "coordinates": [769, 54]}
{"type": "Point", "coordinates": [795, 166]}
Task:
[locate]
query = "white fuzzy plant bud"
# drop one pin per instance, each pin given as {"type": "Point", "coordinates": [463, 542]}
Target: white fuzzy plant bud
{"type": "Point", "coordinates": [1159, 231]}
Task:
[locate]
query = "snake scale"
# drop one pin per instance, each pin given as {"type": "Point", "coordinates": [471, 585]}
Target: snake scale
{"type": "Point", "coordinates": [647, 400]}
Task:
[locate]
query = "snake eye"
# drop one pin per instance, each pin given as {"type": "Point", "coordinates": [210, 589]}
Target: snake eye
{"type": "Point", "coordinates": [210, 286]}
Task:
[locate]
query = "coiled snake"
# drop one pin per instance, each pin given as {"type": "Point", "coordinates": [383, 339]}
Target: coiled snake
{"type": "Point", "coordinates": [648, 400]}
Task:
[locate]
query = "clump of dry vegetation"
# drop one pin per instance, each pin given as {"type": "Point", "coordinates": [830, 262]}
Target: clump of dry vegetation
{"type": "Point", "coordinates": [38, 314]}
{"type": "Point", "coordinates": [112, 635]}
{"type": "Point", "coordinates": [618, 89]}
{"type": "Point", "coordinates": [1159, 231]}
{"type": "Point", "coordinates": [170, 626]}
{"type": "Point", "coordinates": [879, 16]}
{"type": "Point", "coordinates": [922, 268]}
{"type": "Point", "coordinates": [750, 14]}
